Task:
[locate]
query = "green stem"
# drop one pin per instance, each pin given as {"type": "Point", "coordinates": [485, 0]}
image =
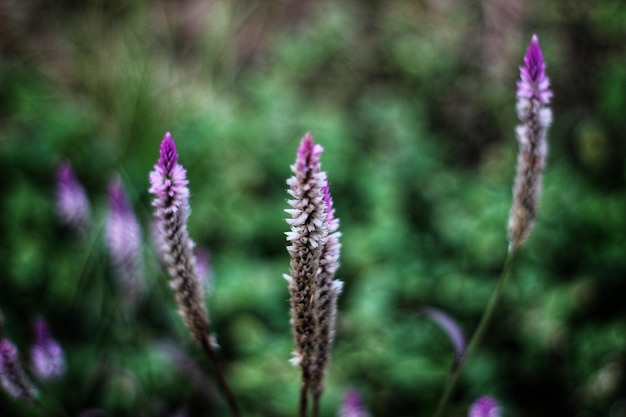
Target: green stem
{"type": "Point", "coordinates": [478, 334]}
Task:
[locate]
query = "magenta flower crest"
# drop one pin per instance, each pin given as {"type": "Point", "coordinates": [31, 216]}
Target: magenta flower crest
{"type": "Point", "coordinates": [534, 83]}
{"type": "Point", "coordinates": [123, 234]}
{"type": "Point", "coordinates": [71, 200]}
{"type": "Point", "coordinates": [171, 201]}
{"type": "Point", "coordinates": [484, 406]}
{"type": "Point", "coordinates": [12, 376]}
{"type": "Point", "coordinates": [169, 179]}
{"type": "Point", "coordinates": [47, 356]}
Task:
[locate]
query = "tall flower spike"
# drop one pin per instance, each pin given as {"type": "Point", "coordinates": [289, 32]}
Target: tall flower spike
{"type": "Point", "coordinates": [124, 243]}
{"type": "Point", "coordinates": [169, 185]}
{"type": "Point", "coordinates": [72, 203]}
{"type": "Point", "coordinates": [484, 406]}
{"type": "Point", "coordinates": [308, 236]}
{"type": "Point", "coordinates": [533, 97]}
{"type": "Point", "coordinates": [47, 356]}
{"type": "Point", "coordinates": [12, 376]}
{"type": "Point", "coordinates": [327, 290]}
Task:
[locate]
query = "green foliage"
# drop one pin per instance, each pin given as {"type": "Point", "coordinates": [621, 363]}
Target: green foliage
{"type": "Point", "coordinates": [417, 125]}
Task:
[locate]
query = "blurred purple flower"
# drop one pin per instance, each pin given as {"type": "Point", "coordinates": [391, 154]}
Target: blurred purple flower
{"type": "Point", "coordinates": [533, 97]}
{"type": "Point", "coordinates": [47, 356]}
{"type": "Point", "coordinates": [123, 238]}
{"type": "Point", "coordinates": [12, 376]}
{"type": "Point", "coordinates": [485, 406]}
{"type": "Point", "coordinates": [353, 405]}
{"type": "Point", "coordinates": [72, 203]}
{"type": "Point", "coordinates": [451, 328]}
{"type": "Point", "coordinates": [171, 201]}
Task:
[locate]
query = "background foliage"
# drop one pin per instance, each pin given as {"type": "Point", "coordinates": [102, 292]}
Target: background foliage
{"type": "Point", "coordinates": [414, 105]}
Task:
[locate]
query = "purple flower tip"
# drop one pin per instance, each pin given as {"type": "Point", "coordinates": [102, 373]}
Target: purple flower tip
{"type": "Point", "coordinates": [8, 353]}
{"type": "Point", "coordinates": [485, 406]}
{"type": "Point", "coordinates": [168, 156]}
{"type": "Point", "coordinates": [118, 200]}
{"type": "Point", "coordinates": [534, 81]}
{"type": "Point", "coordinates": [308, 154]}
{"type": "Point", "coordinates": [353, 405]}
{"type": "Point", "coordinates": [72, 202]}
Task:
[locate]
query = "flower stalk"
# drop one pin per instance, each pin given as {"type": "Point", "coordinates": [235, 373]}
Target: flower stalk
{"type": "Point", "coordinates": [171, 201]}
{"type": "Point", "coordinates": [533, 96]}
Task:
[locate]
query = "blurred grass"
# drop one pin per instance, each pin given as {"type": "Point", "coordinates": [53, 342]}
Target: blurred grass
{"type": "Point", "coordinates": [414, 105]}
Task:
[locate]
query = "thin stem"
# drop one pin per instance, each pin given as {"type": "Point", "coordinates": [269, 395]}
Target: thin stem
{"type": "Point", "coordinates": [316, 404]}
{"type": "Point", "coordinates": [221, 380]}
{"type": "Point", "coordinates": [303, 399]}
{"type": "Point", "coordinates": [478, 334]}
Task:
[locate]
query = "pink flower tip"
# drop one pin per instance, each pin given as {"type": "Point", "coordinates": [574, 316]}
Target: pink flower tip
{"type": "Point", "coordinates": [485, 406]}
{"type": "Point", "coordinates": [308, 154]}
{"type": "Point", "coordinates": [534, 82]}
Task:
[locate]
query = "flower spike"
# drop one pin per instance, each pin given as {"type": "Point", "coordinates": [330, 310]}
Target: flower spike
{"type": "Point", "coordinates": [171, 201]}
{"type": "Point", "coordinates": [314, 250]}
{"type": "Point", "coordinates": [124, 243]}
{"type": "Point", "coordinates": [47, 356]}
{"type": "Point", "coordinates": [12, 376]}
{"type": "Point", "coordinates": [533, 97]}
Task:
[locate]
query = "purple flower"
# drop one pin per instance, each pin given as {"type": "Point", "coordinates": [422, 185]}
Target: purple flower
{"type": "Point", "coordinates": [47, 356]}
{"type": "Point", "coordinates": [314, 252]}
{"type": "Point", "coordinates": [72, 203]}
{"type": "Point", "coordinates": [451, 328]}
{"type": "Point", "coordinates": [484, 407]}
{"type": "Point", "coordinates": [533, 96]}
{"type": "Point", "coordinates": [123, 235]}
{"type": "Point", "coordinates": [353, 405]}
{"type": "Point", "coordinates": [534, 83]}
{"type": "Point", "coordinates": [12, 376]}
{"type": "Point", "coordinates": [169, 185]}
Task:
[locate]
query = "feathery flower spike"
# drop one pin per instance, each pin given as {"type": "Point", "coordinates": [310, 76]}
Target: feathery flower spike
{"type": "Point", "coordinates": [353, 405]}
{"type": "Point", "coordinates": [12, 376]}
{"type": "Point", "coordinates": [484, 406]}
{"type": "Point", "coordinates": [169, 185]}
{"type": "Point", "coordinates": [533, 97]}
{"type": "Point", "coordinates": [46, 354]}
{"type": "Point", "coordinates": [314, 251]}
{"type": "Point", "coordinates": [72, 203]}
{"type": "Point", "coordinates": [124, 243]}
{"type": "Point", "coordinates": [308, 236]}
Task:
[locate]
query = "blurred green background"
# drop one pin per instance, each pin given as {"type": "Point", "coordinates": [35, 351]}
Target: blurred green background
{"type": "Point", "coordinates": [414, 104]}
